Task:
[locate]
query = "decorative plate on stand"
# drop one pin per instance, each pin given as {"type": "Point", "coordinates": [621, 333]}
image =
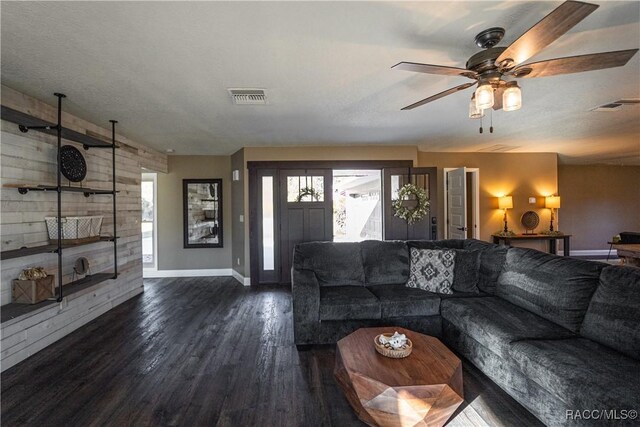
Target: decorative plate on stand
{"type": "Point", "coordinates": [530, 220]}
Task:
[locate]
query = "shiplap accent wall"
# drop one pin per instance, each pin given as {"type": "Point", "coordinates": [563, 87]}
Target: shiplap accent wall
{"type": "Point", "coordinates": [31, 159]}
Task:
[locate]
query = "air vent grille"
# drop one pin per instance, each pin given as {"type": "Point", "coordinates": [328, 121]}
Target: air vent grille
{"type": "Point", "coordinates": [248, 96]}
{"type": "Point", "coordinates": [498, 148]}
{"type": "Point", "coordinates": [617, 105]}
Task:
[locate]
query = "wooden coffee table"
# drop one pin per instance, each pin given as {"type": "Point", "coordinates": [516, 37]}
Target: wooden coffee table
{"type": "Point", "coordinates": [422, 389]}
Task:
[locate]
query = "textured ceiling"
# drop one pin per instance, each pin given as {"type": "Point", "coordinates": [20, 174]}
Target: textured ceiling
{"type": "Point", "coordinates": [163, 68]}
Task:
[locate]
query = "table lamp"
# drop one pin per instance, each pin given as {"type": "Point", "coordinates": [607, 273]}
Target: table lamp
{"type": "Point", "coordinates": [505, 202]}
{"type": "Point", "coordinates": [552, 202]}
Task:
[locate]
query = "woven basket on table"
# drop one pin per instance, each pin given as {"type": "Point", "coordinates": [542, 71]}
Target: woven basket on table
{"type": "Point", "coordinates": [388, 351]}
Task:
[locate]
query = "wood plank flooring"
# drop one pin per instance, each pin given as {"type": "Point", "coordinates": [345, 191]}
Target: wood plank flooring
{"type": "Point", "coordinates": [202, 351]}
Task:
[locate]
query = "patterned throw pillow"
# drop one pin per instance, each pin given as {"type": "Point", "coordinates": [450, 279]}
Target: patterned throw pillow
{"type": "Point", "coordinates": [432, 270]}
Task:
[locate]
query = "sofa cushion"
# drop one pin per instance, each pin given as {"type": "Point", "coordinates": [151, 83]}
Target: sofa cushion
{"type": "Point", "coordinates": [436, 244]}
{"type": "Point", "coordinates": [335, 264]}
{"type": "Point", "coordinates": [495, 323]}
{"type": "Point", "coordinates": [401, 301]}
{"type": "Point", "coordinates": [432, 270]}
{"type": "Point", "coordinates": [348, 303]}
{"type": "Point", "coordinates": [492, 259]}
{"type": "Point", "coordinates": [466, 270]}
{"type": "Point", "coordinates": [580, 372]}
{"type": "Point", "coordinates": [556, 288]}
{"type": "Point", "coordinates": [613, 316]}
{"type": "Point", "coordinates": [385, 262]}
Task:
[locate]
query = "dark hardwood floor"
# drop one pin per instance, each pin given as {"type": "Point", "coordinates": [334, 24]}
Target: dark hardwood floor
{"type": "Point", "coordinates": [202, 351]}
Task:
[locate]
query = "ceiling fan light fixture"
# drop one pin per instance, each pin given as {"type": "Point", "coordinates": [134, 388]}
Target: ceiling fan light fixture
{"type": "Point", "coordinates": [484, 96]}
{"type": "Point", "coordinates": [474, 112]}
{"type": "Point", "coordinates": [512, 97]}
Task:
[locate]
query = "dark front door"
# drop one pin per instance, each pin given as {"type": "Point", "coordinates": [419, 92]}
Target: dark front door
{"type": "Point", "coordinates": [398, 229]}
{"type": "Point", "coordinates": [306, 212]}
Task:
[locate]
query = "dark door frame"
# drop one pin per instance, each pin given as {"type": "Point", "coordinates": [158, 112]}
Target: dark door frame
{"type": "Point", "coordinates": [254, 193]}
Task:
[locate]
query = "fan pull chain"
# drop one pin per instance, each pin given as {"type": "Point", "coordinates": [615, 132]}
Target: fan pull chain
{"type": "Point", "coordinates": [481, 124]}
{"type": "Point", "coordinates": [491, 116]}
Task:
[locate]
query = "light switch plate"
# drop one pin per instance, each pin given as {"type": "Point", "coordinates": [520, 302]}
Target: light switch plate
{"type": "Point", "coordinates": [532, 200]}
{"type": "Point", "coordinates": [241, 218]}
{"type": "Point", "coordinates": [236, 175]}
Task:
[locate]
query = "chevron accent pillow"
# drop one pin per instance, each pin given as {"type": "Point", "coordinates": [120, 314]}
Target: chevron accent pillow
{"type": "Point", "coordinates": [432, 270]}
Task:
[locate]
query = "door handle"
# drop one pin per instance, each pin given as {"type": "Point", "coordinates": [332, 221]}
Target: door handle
{"type": "Point", "coordinates": [461, 228]}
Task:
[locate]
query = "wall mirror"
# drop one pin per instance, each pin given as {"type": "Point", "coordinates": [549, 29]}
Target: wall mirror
{"type": "Point", "coordinates": [202, 200]}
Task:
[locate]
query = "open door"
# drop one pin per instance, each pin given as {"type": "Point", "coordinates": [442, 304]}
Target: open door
{"type": "Point", "coordinates": [398, 229]}
{"type": "Point", "coordinates": [457, 203]}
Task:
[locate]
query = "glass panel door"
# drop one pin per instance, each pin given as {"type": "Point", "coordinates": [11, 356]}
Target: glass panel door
{"type": "Point", "coordinates": [148, 221]}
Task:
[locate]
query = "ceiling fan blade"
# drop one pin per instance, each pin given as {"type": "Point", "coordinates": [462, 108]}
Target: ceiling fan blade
{"type": "Point", "coordinates": [545, 32]}
{"type": "Point", "coordinates": [439, 95]}
{"type": "Point", "coordinates": [575, 64]}
{"type": "Point", "coordinates": [435, 69]}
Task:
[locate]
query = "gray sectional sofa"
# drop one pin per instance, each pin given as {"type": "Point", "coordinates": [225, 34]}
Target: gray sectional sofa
{"type": "Point", "coordinates": [560, 335]}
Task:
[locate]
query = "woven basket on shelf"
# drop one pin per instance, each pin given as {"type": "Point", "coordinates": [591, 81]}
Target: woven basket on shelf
{"type": "Point", "coordinates": [388, 351]}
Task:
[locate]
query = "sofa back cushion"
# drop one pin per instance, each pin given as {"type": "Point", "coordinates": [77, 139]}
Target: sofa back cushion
{"type": "Point", "coordinates": [335, 264]}
{"type": "Point", "coordinates": [492, 259]}
{"type": "Point", "coordinates": [556, 288]}
{"type": "Point", "coordinates": [385, 262]}
{"type": "Point", "coordinates": [436, 244]}
{"type": "Point", "coordinates": [613, 316]}
{"type": "Point", "coordinates": [466, 271]}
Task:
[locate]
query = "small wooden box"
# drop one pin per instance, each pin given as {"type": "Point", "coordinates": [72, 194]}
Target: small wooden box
{"type": "Point", "coordinates": [33, 291]}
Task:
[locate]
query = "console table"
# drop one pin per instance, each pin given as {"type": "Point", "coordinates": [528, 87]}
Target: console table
{"type": "Point", "coordinates": [566, 238]}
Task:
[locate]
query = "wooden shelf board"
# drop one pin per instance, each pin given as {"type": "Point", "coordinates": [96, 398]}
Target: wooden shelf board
{"type": "Point", "coordinates": [24, 119]}
{"type": "Point", "coordinates": [22, 252]}
{"type": "Point", "coordinates": [13, 310]}
{"type": "Point", "coordinates": [65, 189]}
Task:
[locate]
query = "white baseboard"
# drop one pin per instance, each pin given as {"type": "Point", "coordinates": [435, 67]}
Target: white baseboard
{"type": "Point", "coordinates": [214, 272]}
{"type": "Point", "coordinates": [246, 281]}
{"type": "Point", "coordinates": [593, 252]}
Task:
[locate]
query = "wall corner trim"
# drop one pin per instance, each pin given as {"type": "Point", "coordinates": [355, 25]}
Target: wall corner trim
{"type": "Point", "coordinates": [215, 272]}
{"type": "Point", "coordinates": [245, 281]}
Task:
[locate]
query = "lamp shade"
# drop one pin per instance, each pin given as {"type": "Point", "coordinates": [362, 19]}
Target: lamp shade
{"type": "Point", "coordinates": [512, 98]}
{"type": "Point", "coordinates": [505, 202]}
{"type": "Point", "coordinates": [552, 202]}
{"type": "Point", "coordinates": [484, 96]}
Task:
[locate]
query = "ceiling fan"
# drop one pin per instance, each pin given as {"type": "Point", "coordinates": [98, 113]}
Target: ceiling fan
{"type": "Point", "coordinates": [490, 67]}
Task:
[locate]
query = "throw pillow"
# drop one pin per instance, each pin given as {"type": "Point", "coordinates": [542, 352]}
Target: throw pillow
{"type": "Point", "coordinates": [466, 271]}
{"type": "Point", "coordinates": [432, 270]}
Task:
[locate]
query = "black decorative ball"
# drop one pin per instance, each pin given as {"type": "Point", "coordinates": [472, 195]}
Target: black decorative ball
{"type": "Point", "coordinates": [72, 164]}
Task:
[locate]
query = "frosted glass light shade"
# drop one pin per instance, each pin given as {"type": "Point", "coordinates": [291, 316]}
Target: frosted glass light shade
{"type": "Point", "coordinates": [552, 202]}
{"type": "Point", "coordinates": [512, 98]}
{"type": "Point", "coordinates": [474, 113]}
{"type": "Point", "coordinates": [505, 202]}
{"type": "Point", "coordinates": [484, 97]}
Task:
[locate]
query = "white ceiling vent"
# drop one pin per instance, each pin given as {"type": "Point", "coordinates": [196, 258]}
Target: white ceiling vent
{"type": "Point", "coordinates": [248, 96]}
{"type": "Point", "coordinates": [498, 148]}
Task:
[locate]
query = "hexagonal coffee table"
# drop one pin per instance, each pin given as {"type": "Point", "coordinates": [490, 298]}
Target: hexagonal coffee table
{"type": "Point", "coordinates": [422, 389]}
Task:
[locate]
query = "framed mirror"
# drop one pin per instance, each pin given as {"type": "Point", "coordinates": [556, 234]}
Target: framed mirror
{"type": "Point", "coordinates": [202, 204]}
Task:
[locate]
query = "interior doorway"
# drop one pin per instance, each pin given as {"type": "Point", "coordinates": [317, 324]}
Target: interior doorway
{"type": "Point", "coordinates": [149, 219]}
{"type": "Point", "coordinates": [462, 203]}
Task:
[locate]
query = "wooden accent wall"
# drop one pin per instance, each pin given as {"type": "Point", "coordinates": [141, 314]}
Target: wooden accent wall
{"type": "Point", "coordinates": [31, 159]}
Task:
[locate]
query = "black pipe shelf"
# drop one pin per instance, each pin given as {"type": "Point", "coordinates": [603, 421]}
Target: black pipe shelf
{"type": "Point", "coordinates": [14, 310]}
{"type": "Point", "coordinates": [44, 249]}
{"type": "Point", "coordinates": [23, 119]}
{"type": "Point", "coordinates": [86, 191]}
{"type": "Point", "coordinates": [26, 123]}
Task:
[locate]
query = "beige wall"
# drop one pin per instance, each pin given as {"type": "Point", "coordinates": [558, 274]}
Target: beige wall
{"type": "Point", "coordinates": [521, 175]}
{"type": "Point", "coordinates": [598, 202]}
{"type": "Point", "coordinates": [171, 253]}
